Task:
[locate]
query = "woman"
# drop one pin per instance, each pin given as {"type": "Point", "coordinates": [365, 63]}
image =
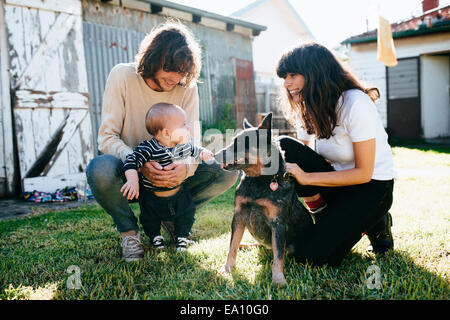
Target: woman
{"type": "Point", "coordinates": [347, 182]}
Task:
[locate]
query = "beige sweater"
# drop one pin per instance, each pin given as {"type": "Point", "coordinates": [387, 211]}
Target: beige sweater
{"type": "Point", "coordinates": [126, 101]}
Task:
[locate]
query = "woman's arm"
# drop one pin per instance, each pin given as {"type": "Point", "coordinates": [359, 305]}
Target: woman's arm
{"type": "Point", "coordinates": [364, 153]}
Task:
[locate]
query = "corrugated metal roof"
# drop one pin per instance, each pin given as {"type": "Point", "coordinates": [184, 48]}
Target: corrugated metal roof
{"type": "Point", "coordinates": [202, 13]}
{"type": "Point", "coordinates": [433, 21]}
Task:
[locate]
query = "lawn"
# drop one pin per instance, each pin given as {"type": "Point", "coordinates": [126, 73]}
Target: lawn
{"type": "Point", "coordinates": [36, 253]}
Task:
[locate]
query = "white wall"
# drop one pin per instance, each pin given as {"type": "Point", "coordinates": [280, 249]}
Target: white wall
{"type": "Point", "coordinates": [2, 99]}
{"type": "Point", "coordinates": [434, 88]}
{"type": "Point", "coordinates": [372, 73]}
{"type": "Point", "coordinates": [6, 133]}
{"type": "Point", "coordinates": [283, 30]}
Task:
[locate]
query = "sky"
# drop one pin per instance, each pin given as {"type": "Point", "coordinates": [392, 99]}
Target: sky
{"type": "Point", "coordinates": [330, 21]}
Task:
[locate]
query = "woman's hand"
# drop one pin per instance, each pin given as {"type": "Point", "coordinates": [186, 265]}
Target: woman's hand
{"type": "Point", "coordinates": [167, 177]}
{"type": "Point", "coordinates": [299, 175]}
{"type": "Point", "coordinates": [364, 152]}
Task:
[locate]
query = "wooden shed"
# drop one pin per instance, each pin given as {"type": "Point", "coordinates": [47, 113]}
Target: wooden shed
{"type": "Point", "coordinates": [55, 58]}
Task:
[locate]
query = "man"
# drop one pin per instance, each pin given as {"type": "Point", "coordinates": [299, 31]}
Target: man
{"type": "Point", "coordinates": [166, 69]}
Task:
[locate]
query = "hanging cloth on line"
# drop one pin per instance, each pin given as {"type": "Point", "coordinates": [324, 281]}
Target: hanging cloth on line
{"type": "Point", "coordinates": [385, 43]}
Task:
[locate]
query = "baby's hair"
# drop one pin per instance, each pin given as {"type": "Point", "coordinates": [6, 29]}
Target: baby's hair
{"type": "Point", "coordinates": [158, 116]}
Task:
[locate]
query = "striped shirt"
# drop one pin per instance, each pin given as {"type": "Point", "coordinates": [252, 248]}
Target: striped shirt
{"type": "Point", "coordinates": [152, 150]}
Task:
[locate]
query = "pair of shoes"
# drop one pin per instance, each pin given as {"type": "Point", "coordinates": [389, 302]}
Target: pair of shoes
{"type": "Point", "coordinates": [132, 248]}
{"type": "Point", "coordinates": [181, 244]}
{"type": "Point", "coordinates": [380, 236]}
{"type": "Point", "coordinates": [158, 242]}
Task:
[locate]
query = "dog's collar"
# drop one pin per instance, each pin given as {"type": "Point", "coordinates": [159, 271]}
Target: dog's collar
{"type": "Point", "coordinates": [273, 185]}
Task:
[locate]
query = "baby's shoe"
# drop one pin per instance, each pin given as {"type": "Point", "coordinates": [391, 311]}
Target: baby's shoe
{"type": "Point", "coordinates": [158, 242]}
{"type": "Point", "coordinates": [182, 244]}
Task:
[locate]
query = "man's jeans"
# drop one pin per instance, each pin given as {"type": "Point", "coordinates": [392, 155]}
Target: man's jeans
{"type": "Point", "coordinates": [105, 176]}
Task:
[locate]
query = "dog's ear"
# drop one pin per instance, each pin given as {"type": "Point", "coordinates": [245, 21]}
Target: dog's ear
{"type": "Point", "coordinates": [266, 122]}
{"type": "Point", "coordinates": [266, 125]}
{"type": "Point", "coordinates": [247, 124]}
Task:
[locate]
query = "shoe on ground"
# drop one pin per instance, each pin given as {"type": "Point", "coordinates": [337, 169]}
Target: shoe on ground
{"type": "Point", "coordinates": [380, 236]}
{"type": "Point", "coordinates": [132, 248]}
{"type": "Point", "coordinates": [158, 242]}
{"type": "Point", "coordinates": [182, 244]}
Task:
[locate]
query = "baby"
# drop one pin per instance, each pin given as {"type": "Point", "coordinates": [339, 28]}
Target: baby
{"type": "Point", "coordinates": [167, 123]}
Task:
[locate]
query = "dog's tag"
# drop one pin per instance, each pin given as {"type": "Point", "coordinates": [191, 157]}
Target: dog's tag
{"type": "Point", "coordinates": [273, 185]}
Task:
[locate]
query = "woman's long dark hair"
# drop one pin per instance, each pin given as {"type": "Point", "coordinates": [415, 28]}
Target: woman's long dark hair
{"type": "Point", "coordinates": [172, 47]}
{"type": "Point", "coordinates": [325, 81]}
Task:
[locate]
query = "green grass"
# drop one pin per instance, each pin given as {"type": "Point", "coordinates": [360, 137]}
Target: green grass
{"type": "Point", "coordinates": [35, 253]}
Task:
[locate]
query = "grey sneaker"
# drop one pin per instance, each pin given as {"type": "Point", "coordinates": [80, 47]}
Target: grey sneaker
{"type": "Point", "coordinates": [132, 248]}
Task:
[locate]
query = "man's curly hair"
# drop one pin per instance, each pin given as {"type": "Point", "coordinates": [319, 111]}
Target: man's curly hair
{"type": "Point", "coordinates": [172, 47]}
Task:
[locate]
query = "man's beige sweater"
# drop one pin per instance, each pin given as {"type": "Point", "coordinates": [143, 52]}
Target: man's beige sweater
{"type": "Point", "coordinates": [126, 101]}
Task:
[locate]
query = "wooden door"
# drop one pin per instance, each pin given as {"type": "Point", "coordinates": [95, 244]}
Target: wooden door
{"type": "Point", "coordinates": [50, 92]}
{"type": "Point", "coordinates": [403, 103]}
{"type": "Point", "coordinates": [245, 103]}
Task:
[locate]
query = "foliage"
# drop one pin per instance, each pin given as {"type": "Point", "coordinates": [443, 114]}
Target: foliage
{"type": "Point", "coordinates": [224, 120]}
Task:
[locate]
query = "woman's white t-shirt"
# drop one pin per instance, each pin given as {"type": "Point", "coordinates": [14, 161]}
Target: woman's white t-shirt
{"type": "Point", "coordinates": [357, 121]}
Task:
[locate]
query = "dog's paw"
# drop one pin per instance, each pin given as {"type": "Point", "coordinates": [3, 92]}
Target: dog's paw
{"type": "Point", "coordinates": [226, 269]}
{"type": "Point", "coordinates": [279, 279]}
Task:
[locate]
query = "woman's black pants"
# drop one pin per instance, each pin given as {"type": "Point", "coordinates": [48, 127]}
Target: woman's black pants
{"type": "Point", "coordinates": [351, 211]}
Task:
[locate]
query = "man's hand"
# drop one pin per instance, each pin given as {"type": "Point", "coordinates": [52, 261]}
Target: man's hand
{"type": "Point", "coordinates": [167, 177]}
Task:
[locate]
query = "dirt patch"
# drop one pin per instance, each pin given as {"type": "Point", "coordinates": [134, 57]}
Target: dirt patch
{"type": "Point", "coordinates": [15, 207]}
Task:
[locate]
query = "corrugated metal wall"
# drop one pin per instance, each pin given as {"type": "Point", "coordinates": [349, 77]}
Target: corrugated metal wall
{"type": "Point", "coordinates": [105, 46]}
{"type": "Point", "coordinates": [204, 92]}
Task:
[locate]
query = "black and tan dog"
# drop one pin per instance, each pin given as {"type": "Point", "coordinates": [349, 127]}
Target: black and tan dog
{"type": "Point", "coordinates": [265, 201]}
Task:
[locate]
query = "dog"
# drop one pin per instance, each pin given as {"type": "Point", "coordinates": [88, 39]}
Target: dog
{"type": "Point", "coordinates": [265, 201]}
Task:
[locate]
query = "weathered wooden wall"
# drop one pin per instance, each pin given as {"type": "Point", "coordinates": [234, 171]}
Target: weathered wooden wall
{"type": "Point", "coordinates": [222, 51]}
{"type": "Point", "coordinates": [51, 82]}
{"type": "Point", "coordinates": [7, 185]}
{"type": "Point", "coordinates": [48, 77]}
